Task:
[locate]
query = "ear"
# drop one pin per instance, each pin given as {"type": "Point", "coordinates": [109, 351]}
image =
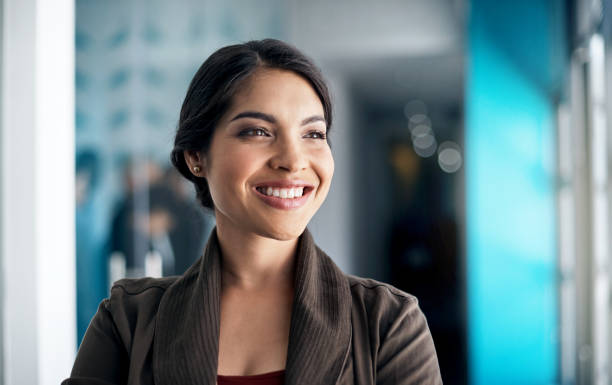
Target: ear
{"type": "Point", "coordinates": [195, 159]}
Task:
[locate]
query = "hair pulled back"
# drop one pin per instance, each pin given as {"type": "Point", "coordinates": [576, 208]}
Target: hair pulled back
{"type": "Point", "coordinates": [211, 90]}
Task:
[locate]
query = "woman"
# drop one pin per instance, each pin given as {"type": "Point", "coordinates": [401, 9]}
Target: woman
{"type": "Point", "coordinates": [263, 304]}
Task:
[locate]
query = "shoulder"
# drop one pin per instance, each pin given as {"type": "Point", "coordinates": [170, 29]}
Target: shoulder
{"type": "Point", "coordinates": [128, 314]}
{"type": "Point", "coordinates": [379, 308]}
{"type": "Point", "coordinates": [146, 286]}
{"type": "Point", "coordinates": [139, 291]}
{"type": "Point", "coordinates": [134, 302]}
{"type": "Point", "coordinates": [373, 291]}
{"type": "Point", "coordinates": [389, 324]}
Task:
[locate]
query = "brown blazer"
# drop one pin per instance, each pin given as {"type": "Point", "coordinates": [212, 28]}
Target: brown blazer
{"type": "Point", "coordinates": [344, 329]}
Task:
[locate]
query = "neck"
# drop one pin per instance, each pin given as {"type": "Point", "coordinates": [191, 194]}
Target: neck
{"type": "Point", "coordinates": [253, 262]}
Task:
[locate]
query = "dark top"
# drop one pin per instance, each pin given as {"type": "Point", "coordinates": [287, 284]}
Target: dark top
{"type": "Point", "coordinates": [344, 329]}
{"type": "Point", "coordinates": [272, 378]}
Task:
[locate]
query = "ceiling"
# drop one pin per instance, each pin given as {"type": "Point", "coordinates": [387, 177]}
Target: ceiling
{"type": "Point", "coordinates": [388, 51]}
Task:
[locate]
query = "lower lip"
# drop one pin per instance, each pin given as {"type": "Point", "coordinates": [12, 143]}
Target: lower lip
{"type": "Point", "coordinates": [284, 203]}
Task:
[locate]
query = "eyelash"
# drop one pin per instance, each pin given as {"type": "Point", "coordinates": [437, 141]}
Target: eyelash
{"type": "Point", "coordinates": [321, 134]}
{"type": "Point", "coordinates": [252, 130]}
{"type": "Point", "coordinates": [249, 131]}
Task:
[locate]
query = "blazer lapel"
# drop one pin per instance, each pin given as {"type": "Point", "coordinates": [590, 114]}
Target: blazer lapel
{"type": "Point", "coordinates": [320, 331]}
{"type": "Point", "coordinates": [186, 342]}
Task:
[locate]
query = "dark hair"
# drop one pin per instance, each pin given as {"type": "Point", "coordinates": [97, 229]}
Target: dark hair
{"type": "Point", "coordinates": [211, 90]}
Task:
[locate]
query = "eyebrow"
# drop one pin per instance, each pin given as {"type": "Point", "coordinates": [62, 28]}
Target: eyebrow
{"type": "Point", "coordinates": [271, 119]}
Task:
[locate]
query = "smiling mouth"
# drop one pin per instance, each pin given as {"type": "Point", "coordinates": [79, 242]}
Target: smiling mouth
{"type": "Point", "coordinates": [284, 198]}
{"type": "Point", "coordinates": [284, 193]}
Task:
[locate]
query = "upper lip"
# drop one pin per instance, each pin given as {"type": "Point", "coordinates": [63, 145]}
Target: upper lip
{"type": "Point", "coordinates": [283, 183]}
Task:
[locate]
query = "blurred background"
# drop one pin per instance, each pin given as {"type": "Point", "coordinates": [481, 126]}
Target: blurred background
{"type": "Point", "coordinates": [472, 150]}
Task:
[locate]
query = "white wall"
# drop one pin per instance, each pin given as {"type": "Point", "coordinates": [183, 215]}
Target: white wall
{"type": "Point", "coordinates": [37, 197]}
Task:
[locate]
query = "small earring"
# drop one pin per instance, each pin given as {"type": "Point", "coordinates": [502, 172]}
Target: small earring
{"type": "Point", "coordinates": [196, 169]}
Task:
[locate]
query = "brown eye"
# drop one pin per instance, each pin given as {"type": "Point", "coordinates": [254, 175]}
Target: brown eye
{"type": "Point", "coordinates": [254, 131]}
{"type": "Point", "coordinates": [316, 135]}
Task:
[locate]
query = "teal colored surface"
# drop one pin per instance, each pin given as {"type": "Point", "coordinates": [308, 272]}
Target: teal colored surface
{"type": "Point", "coordinates": [511, 222]}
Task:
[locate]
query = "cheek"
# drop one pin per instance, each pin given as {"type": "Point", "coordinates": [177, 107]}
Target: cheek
{"type": "Point", "coordinates": [325, 165]}
{"type": "Point", "coordinates": [232, 167]}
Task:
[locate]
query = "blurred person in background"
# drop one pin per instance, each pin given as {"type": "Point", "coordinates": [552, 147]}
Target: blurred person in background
{"type": "Point", "coordinates": [129, 238]}
{"type": "Point", "coordinates": [155, 216]}
{"type": "Point", "coordinates": [191, 226]}
{"type": "Point", "coordinates": [264, 304]}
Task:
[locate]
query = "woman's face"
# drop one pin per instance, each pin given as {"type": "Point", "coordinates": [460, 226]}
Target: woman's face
{"type": "Point", "coordinates": [269, 166]}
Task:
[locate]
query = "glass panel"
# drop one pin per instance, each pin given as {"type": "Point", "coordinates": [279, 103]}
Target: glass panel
{"type": "Point", "coordinates": [511, 197]}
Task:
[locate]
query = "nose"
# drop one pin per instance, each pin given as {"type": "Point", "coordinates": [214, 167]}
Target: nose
{"type": "Point", "coordinates": [288, 156]}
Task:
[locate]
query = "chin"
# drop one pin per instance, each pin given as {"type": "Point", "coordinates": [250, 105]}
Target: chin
{"type": "Point", "coordinates": [284, 234]}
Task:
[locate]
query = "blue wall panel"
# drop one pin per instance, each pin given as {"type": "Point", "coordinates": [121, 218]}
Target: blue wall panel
{"type": "Point", "coordinates": [511, 245]}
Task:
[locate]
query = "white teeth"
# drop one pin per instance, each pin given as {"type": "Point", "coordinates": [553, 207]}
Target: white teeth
{"type": "Point", "coordinates": [283, 193]}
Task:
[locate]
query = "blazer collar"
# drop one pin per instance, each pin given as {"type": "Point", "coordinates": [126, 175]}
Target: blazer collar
{"type": "Point", "coordinates": [186, 343]}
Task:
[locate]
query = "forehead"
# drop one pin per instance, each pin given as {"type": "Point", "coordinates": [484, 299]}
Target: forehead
{"type": "Point", "coordinates": [276, 91]}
